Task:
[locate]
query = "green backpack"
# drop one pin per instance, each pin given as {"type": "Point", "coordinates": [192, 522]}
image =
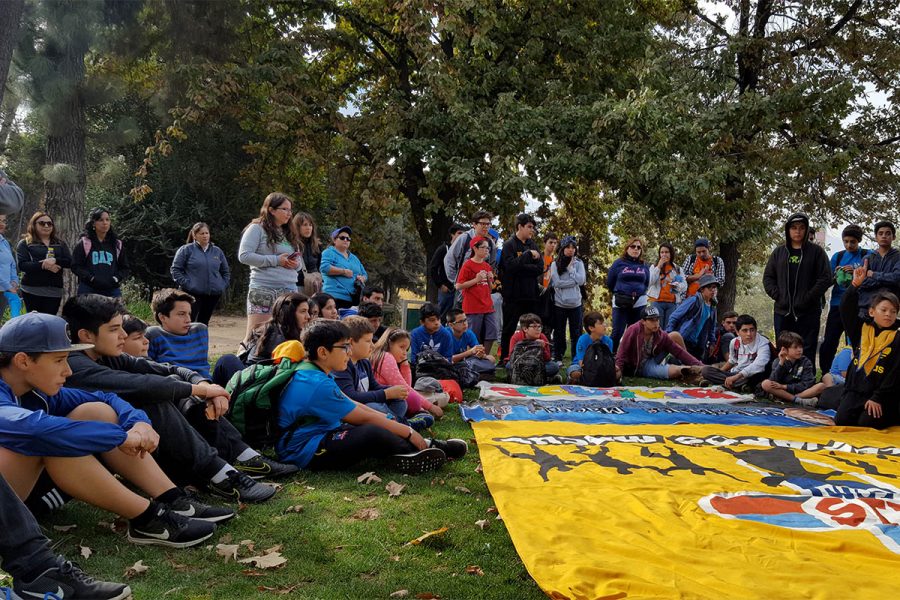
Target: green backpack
{"type": "Point", "coordinates": [255, 394]}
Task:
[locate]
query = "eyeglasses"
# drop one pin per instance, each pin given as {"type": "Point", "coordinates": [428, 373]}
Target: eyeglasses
{"type": "Point", "coordinates": [344, 347]}
{"type": "Point", "coordinates": [480, 246]}
{"type": "Point", "coordinates": [485, 223]}
{"type": "Point", "coordinates": [44, 223]}
{"type": "Point", "coordinates": [535, 326]}
{"type": "Point", "coordinates": [343, 238]}
{"type": "Point", "coordinates": [463, 322]}
{"type": "Point", "coordinates": [634, 247]}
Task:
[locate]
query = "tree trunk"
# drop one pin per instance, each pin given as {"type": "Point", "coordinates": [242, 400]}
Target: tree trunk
{"type": "Point", "coordinates": [10, 18]}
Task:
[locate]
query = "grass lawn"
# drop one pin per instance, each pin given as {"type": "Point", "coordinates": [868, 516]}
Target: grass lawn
{"type": "Point", "coordinates": [330, 554]}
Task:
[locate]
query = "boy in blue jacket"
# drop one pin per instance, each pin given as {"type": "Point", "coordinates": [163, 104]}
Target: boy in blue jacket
{"type": "Point", "coordinates": [44, 426]}
{"type": "Point", "coordinates": [358, 382]}
{"type": "Point", "coordinates": [695, 319]}
{"type": "Point", "coordinates": [430, 333]}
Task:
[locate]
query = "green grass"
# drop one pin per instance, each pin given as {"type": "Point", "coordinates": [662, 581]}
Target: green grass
{"type": "Point", "coordinates": [330, 554]}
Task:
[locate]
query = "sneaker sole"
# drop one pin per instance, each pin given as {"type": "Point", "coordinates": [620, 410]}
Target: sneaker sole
{"type": "Point", "coordinates": [461, 455]}
{"type": "Point", "coordinates": [422, 461]}
{"type": "Point", "coordinates": [257, 475]}
{"type": "Point", "coordinates": [219, 519]}
{"type": "Point", "coordinates": [125, 595]}
{"type": "Point", "coordinates": [168, 543]}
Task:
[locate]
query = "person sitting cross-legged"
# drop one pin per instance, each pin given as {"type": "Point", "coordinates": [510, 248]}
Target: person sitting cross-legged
{"type": "Point", "coordinates": [793, 376]}
{"type": "Point", "coordinates": [184, 406]}
{"type": "Point", "coordinates": [645, 347]}
{"type": "Point", "coordinates": [748, 358]}
{"type": "Point", "coordinates": [466, 347]}
{"type": "Point", "coordinates": [595, 330]}
{"type": "Point", "coordinates": [324, 429]}
{"type": "Point", "coordinates": [47, 427]}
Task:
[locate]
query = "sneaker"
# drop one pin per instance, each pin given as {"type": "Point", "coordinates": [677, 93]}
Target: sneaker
{"type": "Point", "coordinates": [414, 463]}
{"type": "Point", "coordinates": [241, 488]}
{"type": "Point", "coordinates": [260, 466]}
{"type": "Point", "coordinates": [453, 448]}
{"type": "Point", "coordinates": [67, 580]}
{"type": "Point", "coordinates": [807, 402]}
{"type": "Point", "coordinates": [191, 508]}
{"type": "Point", "coordinates": [421, 421]}
{"type": "Point", "coordinates": [170, 529]}
{"type": "Point", "coordinates": [705, 383]}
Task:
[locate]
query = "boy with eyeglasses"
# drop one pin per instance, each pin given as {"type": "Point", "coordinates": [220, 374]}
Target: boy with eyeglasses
{"type": "Point", "coordinates": [326, 430]}
{"type": "Point", "coordinates": [531, 330]}
{"type": "Point", "coordinates": [465, 344]}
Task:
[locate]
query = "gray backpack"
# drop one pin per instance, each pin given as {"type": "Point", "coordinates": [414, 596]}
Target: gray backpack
{"type": "Point", "coordinates": [526, 363]}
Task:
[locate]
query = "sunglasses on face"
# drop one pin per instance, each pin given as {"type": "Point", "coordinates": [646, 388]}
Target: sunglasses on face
{"type": "Point", "coordinates": [45, 223]}
{"type": "Point", "coordinates": [634, 247]}
{"type": "Point", "coordinates": [343, 238]}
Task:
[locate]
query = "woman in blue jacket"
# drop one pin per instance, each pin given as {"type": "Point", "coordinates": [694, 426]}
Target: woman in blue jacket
{"type": "Point", "coordinates": [343, 275]}
{"type": "Point", "coordinates": [201, 269]}
{"type": "Point", "coordinates": [627, 281]}
{"type": "Point", "coordinates": [9, 276]}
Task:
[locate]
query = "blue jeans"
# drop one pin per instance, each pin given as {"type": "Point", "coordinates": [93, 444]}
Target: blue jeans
{"type": "Point", "coordinates": [445, 302]}
{"type": "Point", "coordinates": [84, 288]}
{"type": "Point", "coordinates": [394, 409]}
{"type": "Point", "coordinates": [665, 311]}
{"type": "Point", "coordinates": [24, 550]}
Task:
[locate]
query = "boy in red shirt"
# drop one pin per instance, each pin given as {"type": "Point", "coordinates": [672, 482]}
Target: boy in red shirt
{"type": "Point", "coordinates": [530, 330]}
{"type": "Point", "coordinates": [474, 281]}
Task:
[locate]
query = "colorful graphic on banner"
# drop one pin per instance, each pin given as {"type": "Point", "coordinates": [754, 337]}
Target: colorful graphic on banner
{"type": "Point", "coordinates": [631, 406]}
{"type": "Point", "coordinates": [699, 511]}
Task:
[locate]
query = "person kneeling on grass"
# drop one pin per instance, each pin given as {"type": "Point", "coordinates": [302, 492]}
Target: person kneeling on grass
{"type": "Point", "coordinates": [871, 396]}
{"type": "Point", "coordinates": [185, 407]}
{"type": "Point", "coordinates": [324, 429]}
{"type": "Point", "coordinates": [645, 346]}
{"type": "Point", "coordinates": [793, 376]}
{"type": "Point", "coordinates": [44, 426]}
{"type": "Point", "coordinates": [595, 329]}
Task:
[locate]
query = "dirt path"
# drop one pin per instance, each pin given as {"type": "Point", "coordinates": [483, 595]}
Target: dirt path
{"type": "Point", "coordinates": [225, 333]}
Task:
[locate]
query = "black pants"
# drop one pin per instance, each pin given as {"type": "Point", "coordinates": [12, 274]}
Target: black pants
{"type": "Point", "coordinates": [547, 312]}
{"type": "Point", "coordinates": [204, 305]}
{"type": "Point", "coordinates": [226, 366]}
{"type": "Point", "coordinates": [344, 447]}
{"type": "Point", "coordinates": [854, 414]}
{"type": "Point", "coordinates": [834, 327]}
{"type": "Point", "coordinates": [512, 310]}
{"type": "Point", "coordinates": [24, 550]}
{"type": "Point", "coordinates": [717, 376]}
{"type": "Point", "coordinates": [42, 304]}
{"type": "Point", "coordinates": [572, 318]}
{"type": "Point", "coordinates": [343, 303]}
{"type": "Point", "coordinates": [806, 325]}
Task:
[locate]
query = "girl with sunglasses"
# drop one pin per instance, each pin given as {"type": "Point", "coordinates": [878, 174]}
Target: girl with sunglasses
{"type": "Point", "coordinates": [42, 256]}
{"type": "Point", "coordinates": [627, 281]}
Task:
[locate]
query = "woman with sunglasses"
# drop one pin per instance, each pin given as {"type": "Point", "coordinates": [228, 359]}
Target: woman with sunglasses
{"type": "Point", "coordinates": [627, 281]}
{"type": "Point", "coordinates": [201, 269]}
{"type": "Point", "coordinates": [42, 257]}
{"type": "Point", "coordinates": [269, 247]}
{"type": "Point", "coordinates": [98, 259]}
{"type": "Point", "coordinates": [343, 275]}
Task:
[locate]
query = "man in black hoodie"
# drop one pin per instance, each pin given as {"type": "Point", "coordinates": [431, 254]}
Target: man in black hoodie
{"type": "Point", "coordinates": [796, 277]}
{"type": "Point", "coordinates": [521, 264]}
{"type": "Point", "coordinates": [884, 267]}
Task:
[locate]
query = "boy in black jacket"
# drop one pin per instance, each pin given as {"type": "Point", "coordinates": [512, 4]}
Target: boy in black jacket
{"type": "Point", "coordinates": [793, 375]}
{"type": "Point", "coordinates": [871, 395]}
{"type": "Point", "coordinates": [183, 406]}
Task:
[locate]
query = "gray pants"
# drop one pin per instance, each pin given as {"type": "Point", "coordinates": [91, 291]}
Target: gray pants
{"type": "Point", "coordinates": [717, 376]}
{"type": "Point", "coordinates": [24, 550]}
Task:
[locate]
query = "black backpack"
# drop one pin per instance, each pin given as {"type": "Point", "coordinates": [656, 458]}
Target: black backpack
{"type": "Point", "coordinates": [431, 363]}
{"type": "Point", "coordinates": [598, 369]}
{"type": "Point", "coordinates": [526, 363]}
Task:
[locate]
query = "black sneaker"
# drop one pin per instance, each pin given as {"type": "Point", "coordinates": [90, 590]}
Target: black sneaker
{"type": "Point", "coordinates": [188, 506]}
{"type": "Point", "coordinates": [453, 448]}
{"type": "Point", "coordinates": [259, 466]}
{"type": "Point", "coordinates": [414, 463]}
{"type": "Point", "coordinates": [170, 529]}
{"type": "Point", "coordinates": [66, 580]}
{"type": "Point", "coordinates": [241, 488]}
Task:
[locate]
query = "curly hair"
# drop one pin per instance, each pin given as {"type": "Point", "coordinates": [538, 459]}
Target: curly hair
{"type": "Point", "coordinates": [274, 233]}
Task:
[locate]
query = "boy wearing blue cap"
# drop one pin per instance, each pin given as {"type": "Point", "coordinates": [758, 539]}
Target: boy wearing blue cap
{"type": "Point", "coordinates": [44, 426]}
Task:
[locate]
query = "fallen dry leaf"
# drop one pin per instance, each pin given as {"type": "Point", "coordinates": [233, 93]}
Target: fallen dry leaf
{"type": "Point", "coordinates": [366, 514]}
{"type": "Point", "coordinates": [498, 517]}
{"type": "Point", "coordinates": [427, 596]}
{"type": "Point", "coordinates": [250, 544]}
{"type": "Point", "coordinates": [277, 548]}
{"type": "Point", "coordinates": [395, 558]}
{"type": "Point", "coordinates": [479, 468]}
{"type": "Point", "coordinates": [277, 486]}
{"type": "Point", "coordinates": [64, 528]}
{"type": "Point", "coordinates": [138, 568]}
{"type": "Point", "coordinates": [278, 590]}
{"type": "Point", "coordinates": [252, 573]}
{"type": "Point", "coordinates": [368, 477]}
{"type": "Point", "coordinates": [474, 570]}
{"type": "Point", "coordinates": [393, 489]}
{"type": "Point", "coordinates": [463, 489]}
{"type": "Point", "coordinates": [225, 539]}
{"type": "Point", "coordinates": [294, 509]}
{"type": "Point", "coordinates": [400, 594]}
{"type": "Point", "coordinates": [85, 552]}
{"type": "Point", "coordinates": [309, 487]}
{"type": "Point", "coordinates": [482, 523]}
{"type": "Point", "coordinates": [427, 535]}
{"type": "Point", "coordinates": [228, 551]}
{"type": "Point", "coordinates": [271, 560]}
{"type": "Point", "coordinates": [348, 499]}
{"type": "Point", "coordinates": [492, 510]}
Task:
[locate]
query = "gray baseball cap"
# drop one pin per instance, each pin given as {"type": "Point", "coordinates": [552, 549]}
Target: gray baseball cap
{"type": "Point", "coordinates": [37, 332]}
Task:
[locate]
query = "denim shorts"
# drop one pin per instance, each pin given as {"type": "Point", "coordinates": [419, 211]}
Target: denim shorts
{"type": "Point", "coordinates": [260, 300]}
{"type": "Point", "coordinates": [655, 368]}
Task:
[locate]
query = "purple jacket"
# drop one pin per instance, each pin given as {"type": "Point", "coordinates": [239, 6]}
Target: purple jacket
{"type": "Point", "coordinates": [630, 347]}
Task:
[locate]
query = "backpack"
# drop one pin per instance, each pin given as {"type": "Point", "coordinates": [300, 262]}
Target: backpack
{"type": "Point", "coordinates": [526, 363]}
{"type": "Point", "coordinates": [598, 368]}
{"type": "Point", "coordinates": [86, 245]}
{"type": "Point", "coordinates": [431, 363]}
{"type": "Point", "coordinates": [255, 395]}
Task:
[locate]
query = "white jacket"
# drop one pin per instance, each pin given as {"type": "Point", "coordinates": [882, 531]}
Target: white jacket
{"type": "Point", "coordinates": [679, 287]}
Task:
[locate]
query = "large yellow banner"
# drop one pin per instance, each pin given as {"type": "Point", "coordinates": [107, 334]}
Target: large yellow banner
{"type": "Point", "coordinates": [699, 511]}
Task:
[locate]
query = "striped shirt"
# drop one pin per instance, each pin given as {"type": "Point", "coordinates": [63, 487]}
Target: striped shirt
{"type": "Point", "coordinates": [190, 350]}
